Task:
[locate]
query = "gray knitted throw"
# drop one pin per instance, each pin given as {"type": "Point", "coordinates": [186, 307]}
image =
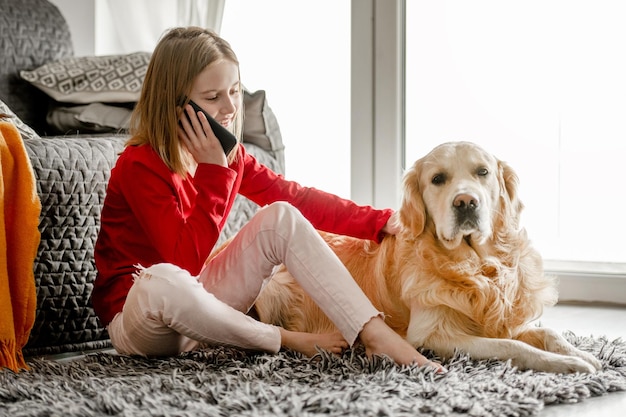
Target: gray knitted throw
{"type": "Point", "coordinates": [229, 382]}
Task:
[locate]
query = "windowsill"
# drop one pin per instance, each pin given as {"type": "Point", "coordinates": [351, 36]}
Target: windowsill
{"type": "Point", "coordinates": [586, 268]}
{"type": "Point", "coordinates": [594, 282]}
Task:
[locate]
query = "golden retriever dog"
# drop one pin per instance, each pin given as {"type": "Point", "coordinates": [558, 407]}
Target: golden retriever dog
{"type": "Point", "coordinates": [461, 274]}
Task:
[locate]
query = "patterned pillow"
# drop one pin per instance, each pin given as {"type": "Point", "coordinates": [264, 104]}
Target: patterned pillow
{"type": "Point", "coordinates": [112, 78]}
{"type": "Point", "coordinates": [23, 128]}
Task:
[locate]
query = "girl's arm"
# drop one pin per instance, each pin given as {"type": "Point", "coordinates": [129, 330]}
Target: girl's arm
{"type": "Point", "coordinates": [182, 220]}
{"type": "Point", "coordinates": [325, 211]}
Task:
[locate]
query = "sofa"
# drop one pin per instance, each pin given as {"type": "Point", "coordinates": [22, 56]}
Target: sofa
{"type": "Point", "coordinates": [72, 154]}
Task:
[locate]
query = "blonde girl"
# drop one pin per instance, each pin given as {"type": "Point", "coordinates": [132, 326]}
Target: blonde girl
{"type": "Point", "coordinates": [167, 200]}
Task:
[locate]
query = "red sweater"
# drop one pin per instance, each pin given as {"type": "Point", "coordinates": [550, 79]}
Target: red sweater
{"type": "Point", "coordinates": [152, 215]}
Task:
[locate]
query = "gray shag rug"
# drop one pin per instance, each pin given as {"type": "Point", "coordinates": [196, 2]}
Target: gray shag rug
{"type": "Point", "coordinates": [230, 382]}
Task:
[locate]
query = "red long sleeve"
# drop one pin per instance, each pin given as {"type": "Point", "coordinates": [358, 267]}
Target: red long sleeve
{"type": "Point", "coordinates": [325, 211]}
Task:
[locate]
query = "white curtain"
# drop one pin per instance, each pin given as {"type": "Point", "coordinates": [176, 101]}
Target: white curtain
{"type": "Point", "coordinates": [124, 26]}
{"type": "Point", "coordinates": [204, 13]}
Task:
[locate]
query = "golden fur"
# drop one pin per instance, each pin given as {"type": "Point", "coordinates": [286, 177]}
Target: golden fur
{"type": "Point", "coordinates": [461, 274]}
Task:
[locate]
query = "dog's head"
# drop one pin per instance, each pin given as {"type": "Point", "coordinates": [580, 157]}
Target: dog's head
{"type": "Point", "coordinates": [461, 191]}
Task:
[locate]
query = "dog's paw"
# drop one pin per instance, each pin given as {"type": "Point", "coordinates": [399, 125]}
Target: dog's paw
{"type": "Point", "coordinates": [571, 365]}
{"type": "Point", "coordinates": [586, 356]}
{"type": "Point", "coordinates": [590, 359]}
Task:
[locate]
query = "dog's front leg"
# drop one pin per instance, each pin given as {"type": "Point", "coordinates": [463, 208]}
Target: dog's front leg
{"type": "Point", "coordinates": [431, 330]}
{"type": "Point", "coordinates": [522, 355]}
{"type": "Point", "coordinates": [551, 341]}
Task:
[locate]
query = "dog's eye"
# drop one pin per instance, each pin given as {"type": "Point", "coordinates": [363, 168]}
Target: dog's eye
{"type": "Point", "coordinates": [482, 172]}
{"type": "Point", "coordinates": [438, 179]}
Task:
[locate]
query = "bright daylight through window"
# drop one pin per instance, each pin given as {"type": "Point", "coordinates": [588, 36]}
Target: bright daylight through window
{"type": "Point", "coordinates": [299, 53]}
{"type": "Point", "coordinates": [541, 84]}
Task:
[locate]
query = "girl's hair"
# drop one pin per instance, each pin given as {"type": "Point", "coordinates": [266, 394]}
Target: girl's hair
{"type": "Point", "coordinates": [181, 54]}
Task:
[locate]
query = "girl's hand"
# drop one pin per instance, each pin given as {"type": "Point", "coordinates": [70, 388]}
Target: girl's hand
{"type": "Point", "coordinates": [392, 227]}
{"type": "Point", "coordinates": [199, 139]}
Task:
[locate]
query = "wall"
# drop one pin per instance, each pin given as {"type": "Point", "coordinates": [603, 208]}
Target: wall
{"type": "Point", "coordinates": [81, 18]}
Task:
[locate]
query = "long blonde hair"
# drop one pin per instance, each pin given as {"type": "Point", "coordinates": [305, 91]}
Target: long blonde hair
{"type": "Point", "coordinates": [181, 54]}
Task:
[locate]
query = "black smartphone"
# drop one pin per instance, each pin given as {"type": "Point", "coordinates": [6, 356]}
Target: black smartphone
{"type": "Point", "coordinates": [226, 138]}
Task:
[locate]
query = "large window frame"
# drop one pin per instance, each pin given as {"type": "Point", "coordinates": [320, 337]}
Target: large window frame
{"type": "Point", "coordinates": [378, 79]}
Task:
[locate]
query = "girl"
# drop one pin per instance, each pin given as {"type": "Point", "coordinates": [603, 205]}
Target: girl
{"type": "Point", "coordinates": [168, 197]}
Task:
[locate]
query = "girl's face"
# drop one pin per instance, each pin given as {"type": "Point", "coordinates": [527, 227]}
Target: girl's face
{"type": "Point", "coordinates": [216, 89]}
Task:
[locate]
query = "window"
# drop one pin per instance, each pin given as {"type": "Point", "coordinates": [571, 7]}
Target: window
{"type": "Point", "coordinates": [542, 85]}
{"type": "Point", "coordinates": [299, 53]}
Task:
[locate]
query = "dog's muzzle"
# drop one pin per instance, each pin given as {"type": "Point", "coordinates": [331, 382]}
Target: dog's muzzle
{"type": "Point", "coordinates": [466, 208]}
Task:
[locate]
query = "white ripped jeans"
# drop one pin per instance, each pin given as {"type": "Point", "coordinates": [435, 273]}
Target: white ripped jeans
{"type": "Point", "coordinates": [169, 311]}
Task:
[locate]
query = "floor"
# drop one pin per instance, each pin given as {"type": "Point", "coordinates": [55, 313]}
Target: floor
{"type": "Point", "coordinates": [583, 320]}
{"type": "Point", "coordinates": [589, 320]}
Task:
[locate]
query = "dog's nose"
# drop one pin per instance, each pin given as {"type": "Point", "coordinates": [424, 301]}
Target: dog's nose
{"type": "Point", "coordinates": [466, 202]}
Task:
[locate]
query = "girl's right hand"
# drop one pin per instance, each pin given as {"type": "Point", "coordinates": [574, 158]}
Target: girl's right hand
{"type": "Point", "coordinates": [199, 139]}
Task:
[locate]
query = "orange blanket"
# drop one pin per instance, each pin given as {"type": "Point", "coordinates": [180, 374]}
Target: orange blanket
{"type": "Point", "coordinates": [19, 238]}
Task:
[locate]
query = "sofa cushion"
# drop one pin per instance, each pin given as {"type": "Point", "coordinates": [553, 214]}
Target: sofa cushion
{"type": "Point", "coordinates": [89, 79]}
{"type": "Point", "coordinates": [260, 125]}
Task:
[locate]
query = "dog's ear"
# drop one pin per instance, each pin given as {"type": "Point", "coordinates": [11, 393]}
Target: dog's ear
{"type": "Point", "coordinates": [413, 210]}
{"type": "Point", "coordinates": [509, 182]}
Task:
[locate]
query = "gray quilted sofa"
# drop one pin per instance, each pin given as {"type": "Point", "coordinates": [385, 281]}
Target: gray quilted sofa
{"type": "Point", "coordinates": [72, 169]}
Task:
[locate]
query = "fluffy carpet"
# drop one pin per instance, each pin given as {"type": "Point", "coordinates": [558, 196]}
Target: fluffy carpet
{"type": "Point", "coordinates": [229, 382]}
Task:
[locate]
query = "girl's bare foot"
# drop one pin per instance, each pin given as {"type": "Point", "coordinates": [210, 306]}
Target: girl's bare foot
{"type": "Point", "coordinates": [306, 343]}
{"type": "Point", "coordinates": [380, 339]}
